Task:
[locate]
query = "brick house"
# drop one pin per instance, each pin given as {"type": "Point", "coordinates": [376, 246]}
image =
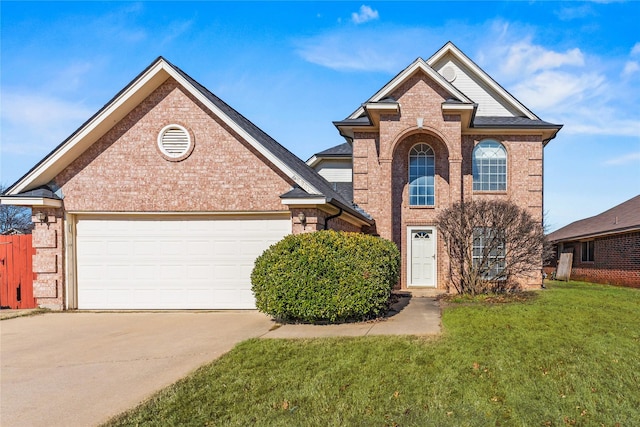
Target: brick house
{"type": "Point", "coordinates": [605, 247]}
{"type": "Point", "coordinates": [164, 198]}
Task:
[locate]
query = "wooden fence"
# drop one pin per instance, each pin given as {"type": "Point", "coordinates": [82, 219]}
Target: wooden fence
{"type": "Point", "coordinates": [16, 272]}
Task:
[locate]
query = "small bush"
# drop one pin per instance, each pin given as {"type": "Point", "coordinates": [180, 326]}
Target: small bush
{"type": "Point", "coordinates": [326, 276]}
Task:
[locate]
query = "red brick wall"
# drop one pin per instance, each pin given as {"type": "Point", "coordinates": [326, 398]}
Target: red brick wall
{"type": "Point", "coordinates": [380, 168]}
{"type": "Point", "coordinates": [315, 220]}
{"type": "Point", "coordinates": [48, 261]}
{"type": "Point", "coordinates": [616, 261]}
{"type": "Point", "coordinates": [124, 170]}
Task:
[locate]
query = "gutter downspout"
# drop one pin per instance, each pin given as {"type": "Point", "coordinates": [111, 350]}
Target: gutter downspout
{"type": "Point", "coordinates": [326, 220]}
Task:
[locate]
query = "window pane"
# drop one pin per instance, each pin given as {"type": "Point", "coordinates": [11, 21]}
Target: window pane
{"type": "Point", "coordinates": [421, 176]}
{"type": "Point", "coordinates": [489, 164]}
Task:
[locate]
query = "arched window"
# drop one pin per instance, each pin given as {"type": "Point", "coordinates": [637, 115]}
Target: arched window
{"type": "Point", "coordinates": [422, 170]}
{"type": "Point", "coordinates": [489, 166]}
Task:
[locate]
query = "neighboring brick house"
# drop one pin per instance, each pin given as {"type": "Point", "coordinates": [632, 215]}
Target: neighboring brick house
{"type": "Point", "coordinates": [164, 198]}
{"type": "Point", "coordinates": [605, 247]}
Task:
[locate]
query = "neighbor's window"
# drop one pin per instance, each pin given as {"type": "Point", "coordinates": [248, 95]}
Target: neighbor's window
{"type": "Point", "coordinates": [422, 170]}
{"type": "Point", "coordinates": [488, 252]}
{"type": "Point", "coordinates": [489, 166]}
{"type": "Point", "coordinates": [587, 251]}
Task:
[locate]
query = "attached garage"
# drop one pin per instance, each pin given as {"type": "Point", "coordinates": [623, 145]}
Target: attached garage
{"type": "Point", "coordinates": [133, 262]}
{"type": "Point", "coordinates": [164, 199]}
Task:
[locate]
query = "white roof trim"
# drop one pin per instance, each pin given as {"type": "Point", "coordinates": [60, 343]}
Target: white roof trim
{"type": "Point", "coordinates": [452, 49]}
{"type": "Point", "coordinates": [418, 64]}
{"type": "Point", "coordinates": [31, 201]}
{"type": "Point", "coordinates": [304, 201]}
{"type": "Point", "coordinates": [61, 157]}
{"type": "Point", "coordinates": [244, 134]}
{"type": "Point", "coordinates": [62, 153]}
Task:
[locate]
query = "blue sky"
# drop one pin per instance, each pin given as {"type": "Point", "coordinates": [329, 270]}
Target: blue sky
{"type": "Point", "coordinates": [294, 67]}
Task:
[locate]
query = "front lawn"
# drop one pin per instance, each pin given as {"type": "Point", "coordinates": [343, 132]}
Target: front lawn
{"type": "Point", "coordinates": [569, 356]}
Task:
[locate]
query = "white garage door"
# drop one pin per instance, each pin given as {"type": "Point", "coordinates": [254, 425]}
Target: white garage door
{"type": "Point", "coordinates": [170, 263]}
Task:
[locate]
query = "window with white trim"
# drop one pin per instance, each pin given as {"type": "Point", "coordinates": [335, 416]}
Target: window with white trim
{"type": "Point", "coordinates": [488, 253]}
{"type": "Point", "coordinates": [422, 171]}
{"type": "Point", "coordinates": [587, 251]}
{"type": "Point", "coordinates": [489, 166]}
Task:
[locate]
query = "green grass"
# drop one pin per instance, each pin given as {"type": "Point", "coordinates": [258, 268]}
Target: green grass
{"type": "Point", "coordinates": [568, 356]}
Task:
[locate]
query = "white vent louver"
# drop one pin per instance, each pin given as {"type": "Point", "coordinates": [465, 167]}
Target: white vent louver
{"type": "Point", "coordinates": [449, 73]}
{"type": "Point", "coordinates": [174, 141]}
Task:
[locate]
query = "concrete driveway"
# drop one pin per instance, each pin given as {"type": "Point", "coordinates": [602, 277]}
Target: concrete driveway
{"type": "Point", "coordinates": [81, 368]}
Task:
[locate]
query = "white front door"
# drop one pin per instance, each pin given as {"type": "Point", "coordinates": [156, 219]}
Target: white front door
{"type": "Point", "coordinates": [421, 261]}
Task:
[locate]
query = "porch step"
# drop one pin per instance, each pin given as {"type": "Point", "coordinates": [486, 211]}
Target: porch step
{"type": "Point", "coordinates": [420, 292]}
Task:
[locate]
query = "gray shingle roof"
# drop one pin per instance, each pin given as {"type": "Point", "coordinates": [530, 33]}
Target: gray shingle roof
{"type": "Point", "coordinates": [291, 160]}
{"type": "Point", "coordinates": [511, 122]}
{"type": "Point", "coordinates": [38, 193]}
{"type": "Point", "coordinates": [620, 218]}
{"type": "Point", "coordinates": [342, 150]}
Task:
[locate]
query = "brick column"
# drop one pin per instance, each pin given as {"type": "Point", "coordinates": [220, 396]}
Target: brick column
{"type": "Point", "coordinates": [48, 261]}
{"type": "Point", "coordinates": [455, 180]}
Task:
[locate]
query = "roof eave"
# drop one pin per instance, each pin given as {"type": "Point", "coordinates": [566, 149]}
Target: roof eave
{"type": "Point", "coordinates": [587, 236]}
{"type": "Point", "coordinates": [44, 202]}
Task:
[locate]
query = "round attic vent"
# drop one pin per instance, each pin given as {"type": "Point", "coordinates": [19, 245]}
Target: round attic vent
{"type": "Point", "coordinates": [175, 142]}
{"type": "Point", "coordinates": [449, 73]}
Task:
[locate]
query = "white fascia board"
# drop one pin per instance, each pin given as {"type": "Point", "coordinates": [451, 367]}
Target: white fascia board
{"type": "Point", "coordinates": [157, 74]}
{"type": "Point", "coordinates": [457, 53]}
{"type": "Point", "coordinates": [465, 111]}
{"type": "Point", "coordinates": [244, 134]}
{"type": "Point", "coordinates": [81, 140]}
{"type": "Point", "coordinates": [419, 64]}
{"type": "Point", "coordinates": [313, 161]}
{"type": "Point", "coordinates": [302, 201]}
{"type": "Point", "coordinates": [383, 107]}
{"type": "Point", "coordinates": [31, 201]}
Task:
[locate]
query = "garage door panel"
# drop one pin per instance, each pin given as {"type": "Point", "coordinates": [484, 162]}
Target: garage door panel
{"type": "Point", "coordinates": [170, 263]}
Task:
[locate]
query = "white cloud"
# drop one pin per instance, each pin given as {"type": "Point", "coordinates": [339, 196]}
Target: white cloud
{"type": "Point", "coordinates": [625, 159]}
{"type": "Point", "coordinates": [525, 57]}
{"type": "Point", "coordinates": [570, 13]}
{"type": "Point", "coordinates": [635, 50]}
{"type": "Point", "coordinates": [176, 29]}
{"type": "Point", "coordinates": [385, 51]}
{"type": "Point", "coordinates": [365, 14]}
{"type": "Point", "coordinates": [550, 89]}
{"type": "Point", "coordinates": [568, 86]}
{"type": "Point", "coordinates": [631, 67]}
{"type": "Point", "coordinates": [36, 123]}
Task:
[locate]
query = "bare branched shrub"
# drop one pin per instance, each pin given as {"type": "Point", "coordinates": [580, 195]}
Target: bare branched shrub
{"type": "Point", "coordinates": [491, 244]}
{"type": "Point", "coordinates": [14, 217]}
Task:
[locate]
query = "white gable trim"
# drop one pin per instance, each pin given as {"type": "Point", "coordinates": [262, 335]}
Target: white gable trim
{"type": "Point", "coordinates": [118, 108]}
{"type": "Point", "coordinates": [453, 50]}
{"type": "Point", "coordinates": [31, 201]}
{"type": "Point", "coordinates": [243, 133]}
{"type": "Point", "coordinates": [418, 64]}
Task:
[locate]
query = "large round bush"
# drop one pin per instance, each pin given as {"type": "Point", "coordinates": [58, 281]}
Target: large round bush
{"type": "Point", "coordinates": [326, 276]}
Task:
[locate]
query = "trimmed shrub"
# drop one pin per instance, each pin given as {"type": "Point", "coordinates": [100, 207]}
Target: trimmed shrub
{"type": "Point", "coordinates": [326, 276]}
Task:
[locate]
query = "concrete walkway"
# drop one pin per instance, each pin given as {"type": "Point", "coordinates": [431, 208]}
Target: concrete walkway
{"type": "Point", "coordinates": [409, 316]}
